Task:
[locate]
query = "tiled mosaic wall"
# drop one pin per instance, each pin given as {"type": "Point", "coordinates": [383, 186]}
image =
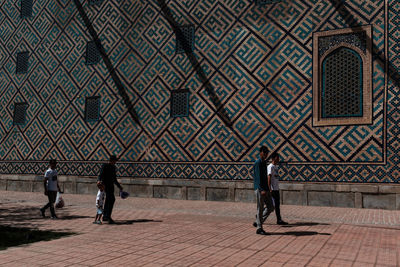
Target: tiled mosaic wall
{"type": "Point", "coordinates": [257, 59]}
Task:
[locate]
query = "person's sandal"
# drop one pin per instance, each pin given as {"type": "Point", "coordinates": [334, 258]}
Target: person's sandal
{"type": "Point", "coordinates": [261, 231]}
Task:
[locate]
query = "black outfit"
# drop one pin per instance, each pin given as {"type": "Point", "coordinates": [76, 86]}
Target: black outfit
{"type": "Point", "coordinates": [275, 195]}
{"type": "Point", "coordinates": [108, 176]}
{"type": "Point", "coordinates": [52, 195]}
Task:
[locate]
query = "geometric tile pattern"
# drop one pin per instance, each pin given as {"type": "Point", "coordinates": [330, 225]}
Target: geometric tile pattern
{"type": "Point", "coordinates": [257, 58]}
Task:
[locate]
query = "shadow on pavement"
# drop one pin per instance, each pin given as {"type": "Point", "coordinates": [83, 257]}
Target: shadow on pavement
{"type": "Point", "coordinates": [304, 233]}
{"type": "Point", "coordinates": [28, 216]}
{"type": "Point", "coordinates": [120, 222]}
{"type": "Point", "coordinates": [22, 216]}
{"type": "Point", "coordinates": [303, 224]}
{"type": "Point", "coordinates": [15, 236]}
{"type": "Point", "coordinates": [72, 217]}
{"type": "Point", "coordinates": [299, 233]}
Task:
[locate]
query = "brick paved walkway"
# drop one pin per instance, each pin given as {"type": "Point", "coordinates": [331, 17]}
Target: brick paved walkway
{"type": "Point", "coordinates": [159, 232]}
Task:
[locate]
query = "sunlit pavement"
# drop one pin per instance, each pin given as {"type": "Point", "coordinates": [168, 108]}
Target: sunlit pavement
{"type": "Point", "coordinates": [159, 232]}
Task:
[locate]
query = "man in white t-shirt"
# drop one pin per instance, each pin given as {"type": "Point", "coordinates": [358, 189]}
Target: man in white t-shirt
{"type": "Point", "coordinates": [273, 174]}
{"type": "Point", "coordinates": [51, 188]}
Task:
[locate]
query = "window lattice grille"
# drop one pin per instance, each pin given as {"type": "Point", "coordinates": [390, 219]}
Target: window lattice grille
{"type": "Point", "coordinates": [188, 34]}
{"type": "Point", "coordinates": [20, 113]}
{"type": "Point", "coordinates": [22, 62]}
{"type": "Point", "coordinates": [92, 111]}
{"type": "Point", "coordinates": [342, 84]}
{"type": "Point", "coordinates": [26, 8]}
{"type": "Point", "coordinates": [95, 2]}
{"type": "Point", "coordinates": [266, 2]}
{"type": "Point", "coordinates": [92, 53]}
{"type": "Point", "coordinates": [180, 103]}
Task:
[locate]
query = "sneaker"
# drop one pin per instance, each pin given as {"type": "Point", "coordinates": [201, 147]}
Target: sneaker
{"type": "Point", "coordinates": [42, 213]}
{"type": "Point", "coordinates": [54, 217]}
{"type": "Point", "coordinates": [280, 222]}
{"type": "Point", "coordinates": [254, 224]}
{"type": "Point", "coordinates": [261, 231]}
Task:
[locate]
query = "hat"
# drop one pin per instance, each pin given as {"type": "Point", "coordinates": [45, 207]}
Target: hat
{"type": "Point", "coordinates": [113, 158]}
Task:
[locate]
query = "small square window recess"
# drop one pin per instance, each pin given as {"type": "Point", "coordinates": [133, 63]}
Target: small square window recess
{"type": "Point", "coordinates": [92, 109]}
{"type": "Point", "coordinates": [20, 113]}
{"type": "Point", "coordinates": [95, 2]}
{"type": "Point", "coordinates": [92, 53]}
{"type": "Point", "coordinates": [22, 62]}
{"type": "Point", "coordinates": [26, 8]}
{"type": "Point", "coordinates": [266, 2]}
{"type": "Point", "coordinates": [185, 38]}
{"type": "Point", "coordinates": [180, 103]}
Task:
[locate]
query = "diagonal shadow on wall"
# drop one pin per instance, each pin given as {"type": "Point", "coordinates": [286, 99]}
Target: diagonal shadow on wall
{"type": "Point", "coordinates": [107, 61]}
{"type": "Point", "coordinates": [195, 64]}
{"type": "Point", "coordinates": [351, 21]}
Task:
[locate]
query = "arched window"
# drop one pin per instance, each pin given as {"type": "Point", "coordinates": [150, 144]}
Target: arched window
{"type": "Point", "coordinates": [342, 77]}
{"type": "Point", "coordinates": [342, 84]}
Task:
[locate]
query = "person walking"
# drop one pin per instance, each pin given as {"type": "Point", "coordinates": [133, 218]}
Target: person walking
{"type": "Point", "coordinates": [108, 177]}
{"type": "Point", "coordinates": [50, 188]}
{"type": "Point", "coordinates": [262, 187]}
{"type": "Point", "coordinates": [273, 175]}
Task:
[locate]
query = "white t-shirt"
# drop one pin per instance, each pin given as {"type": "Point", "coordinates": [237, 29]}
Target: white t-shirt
{"type": "Point", "coordinates": [100, 199]}
{"type": "Point", "coordinates": [273, 170]}
{"type": "Point", "coordinates": [51, 176]}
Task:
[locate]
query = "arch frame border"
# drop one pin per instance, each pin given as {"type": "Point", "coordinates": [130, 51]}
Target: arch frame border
{"type": "Point", "coordinates": [367, 118]}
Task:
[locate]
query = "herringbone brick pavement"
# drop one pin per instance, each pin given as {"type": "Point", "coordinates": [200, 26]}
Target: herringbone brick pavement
{"type": "Point", "coordinates": [163, 232]}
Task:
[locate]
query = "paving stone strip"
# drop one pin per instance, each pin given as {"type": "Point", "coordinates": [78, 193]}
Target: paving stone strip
{"type": "Point", "coordinates": [165, 232]}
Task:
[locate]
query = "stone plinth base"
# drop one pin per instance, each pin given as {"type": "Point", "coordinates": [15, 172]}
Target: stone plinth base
{"type": "Point", "coordinates": [380, 196]}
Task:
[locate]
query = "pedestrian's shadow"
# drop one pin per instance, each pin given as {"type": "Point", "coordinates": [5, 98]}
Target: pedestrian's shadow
{"type": "Point", "coordinates": [303, 224]}
{"type": "Point", "coordinates": [120, 222]}
{"type": "Point", "coordinates": [72, 217]}
{"type": "Point", "coordinates": [300, 233]}
{"type": "Point", "coordinates": [21, 216]}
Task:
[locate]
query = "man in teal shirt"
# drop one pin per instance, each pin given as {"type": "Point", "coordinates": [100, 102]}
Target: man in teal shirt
{"type": "Point", "coordinates": [262, 187]}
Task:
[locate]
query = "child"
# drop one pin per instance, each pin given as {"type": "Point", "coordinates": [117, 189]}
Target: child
{"type": "Point", "coordinates": [273, 175]}
{"type": "Point", "coordinates": [50, 188]}
{"type": "Point", "coordinates": [99, 203]}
